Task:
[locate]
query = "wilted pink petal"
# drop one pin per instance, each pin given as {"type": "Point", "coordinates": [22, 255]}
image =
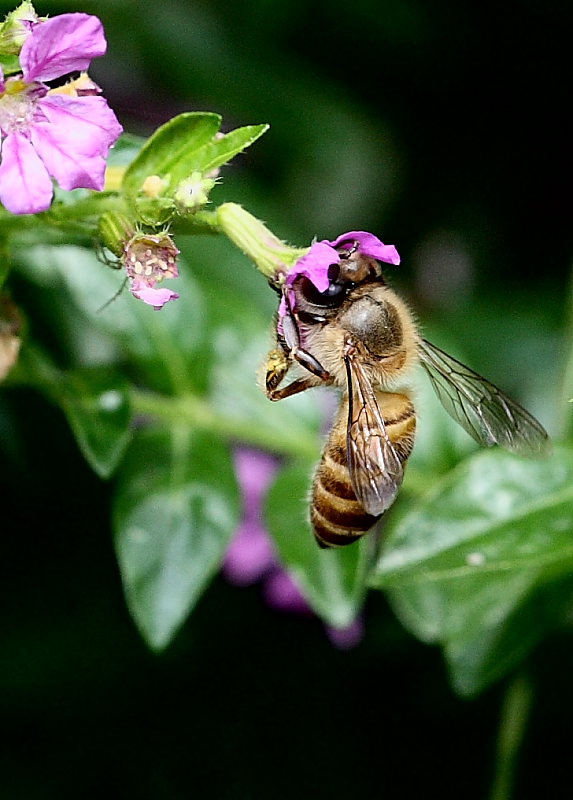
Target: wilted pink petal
{"type": "Point", "coordinates": [66, 43]}
{"type": "Point", "coordinates": [249, 556]}
{"type": "Point", "coordinates": [282, 593]}
{"type": "Point", "coordinates": [153, 297]}
{"type": "Point", "coordinates": [25, 186]}
{"type": "Point", "coordinates": [348, 637]}
{"type": "Point", "coordinates": [368, 245]}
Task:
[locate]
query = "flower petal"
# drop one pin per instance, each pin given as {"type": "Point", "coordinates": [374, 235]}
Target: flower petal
{"type": "Point", "coordinates": [70, 169]}
{"type": "Point", "coordinates": [74, 139]}
{"type": "Point", "coordinates": [66, 43]}
{"type": "Point", "coordinates": [88, 122]}
{"type": "Point", "coordinates": [282, 593]}
{"type": "Point", "coordinates": [250, 555]}
{"type": "Point", "coordinates": [314, 265]}
{"type": "Point", "coordinates": [153, 297]}
{"type": "Point", "coordinates": [369, 245]}
{"type": "Point", "coordinates": [25, 186]}
{"type": "Point", "coordinates": [255, 470]}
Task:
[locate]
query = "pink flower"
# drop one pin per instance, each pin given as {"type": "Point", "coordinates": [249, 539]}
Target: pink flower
{"type": "Point", "coordinates": [50, 134]}
{"type": "Point", "coordinates": [316, 263]}
{"type": "Point", "coordinates": [368, 245]}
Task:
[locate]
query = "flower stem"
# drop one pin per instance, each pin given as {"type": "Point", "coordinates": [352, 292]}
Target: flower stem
{"type": "Point", "coordinates": [514, 716]}
{"type": "Point", "coordinates": [270, 255]}
{"type": "Point", "coordinates": [198, 412]}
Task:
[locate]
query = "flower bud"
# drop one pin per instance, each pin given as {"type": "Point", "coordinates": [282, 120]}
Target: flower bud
{"type": "Point", "coordinates": [271, 256]}
{"type": "Point", "coordinates": [16, 28]}
{"type": "Point", "coordinates": [192, 193]}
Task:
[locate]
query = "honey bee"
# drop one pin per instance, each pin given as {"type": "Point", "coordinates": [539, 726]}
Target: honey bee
{"type": "Point", "coordinates": [360, 336]}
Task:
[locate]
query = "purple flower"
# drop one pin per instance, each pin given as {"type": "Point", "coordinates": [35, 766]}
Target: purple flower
{"type": "Point", "coordinates": [251, 553]}
{"type": "Point", "coordinates": [48, 134]}
{"type": "Point", "coordinates": [315, 264]}
{"type": "Point", "coordinates": [368, 245]}
{"type": "Point", "coordinates": [348, 637]}
{"type": "Point", "coordinates": [282, 593]}
{"type": "Point", "coordinates": [251, 556]}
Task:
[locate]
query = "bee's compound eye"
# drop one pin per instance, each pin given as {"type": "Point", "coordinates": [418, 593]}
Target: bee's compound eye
{"type": "Point", "coordinates": [331, 298]}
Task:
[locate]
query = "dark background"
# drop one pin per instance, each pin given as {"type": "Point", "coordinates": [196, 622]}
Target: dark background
{"type": "Point", "coordinates": [444, 128]}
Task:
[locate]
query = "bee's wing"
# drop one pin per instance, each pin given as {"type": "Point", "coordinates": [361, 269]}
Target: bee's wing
{"type": "Point", "coordinates": [375, 468]}
{"type": "Point", "coordinates": [488, 415]}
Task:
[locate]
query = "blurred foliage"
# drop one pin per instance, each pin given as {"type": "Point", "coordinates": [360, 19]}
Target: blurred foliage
{"type": "Point", "coordinates": [443, 129]}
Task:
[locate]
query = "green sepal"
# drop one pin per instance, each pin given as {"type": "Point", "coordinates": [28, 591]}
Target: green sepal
{"type": "Point", "coordinates": [154, 211]}
{"type": "Point", "coordinates": [10, 64]}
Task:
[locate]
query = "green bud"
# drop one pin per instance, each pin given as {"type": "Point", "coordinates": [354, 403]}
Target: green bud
{"type": "Point", "coordinates": [114, 231]}
{"type": "Point", "coordinates": [272, 256]}
{"type": "Point", "coordinates": [193, 192]}
{"type": "Point", "coordinates": [16, 28]}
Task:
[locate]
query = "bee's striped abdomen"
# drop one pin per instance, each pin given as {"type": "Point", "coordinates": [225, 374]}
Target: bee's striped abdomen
{"type": "Point", "coordinates": [337, 516]}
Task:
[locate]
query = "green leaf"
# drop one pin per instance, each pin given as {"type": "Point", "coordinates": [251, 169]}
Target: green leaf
{"type": "Point", "coordinates": [125, 150]}
{"type": "Point", "coordinates": [96, 403]}
{"type": "Point", "coordinates": [332, 581]}
{"type": "Point", "coordinates": [290, 426]}
{"type": "Point", "coordinates": [217, 152]}
{"type": "Point", "coordinates": [462, 566]}
{"type": "Point", "coordinates": [175, 512]}
{"type": "Point", "coordinates": [170, 147]}
{"type": "Point", "coordinates": [165, 341]}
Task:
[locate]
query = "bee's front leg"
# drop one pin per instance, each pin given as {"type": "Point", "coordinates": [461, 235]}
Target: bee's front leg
{"type": "Point", "coordinates": [299, 385]}
{"type": "Point", "coordinates": [278, 364]}
{"type": "Point", "coordinates": [292, 344]}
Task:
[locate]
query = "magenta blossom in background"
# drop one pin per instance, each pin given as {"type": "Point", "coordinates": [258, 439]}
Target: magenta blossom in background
{"type": "Point", "coordinates": [251, 553]}
{"type": "Point", "coordinates": [322, 255]}
{"type": "Point", "coordinates": [48, 135]}
{"type": "Point", "coordinates": [281, 592]}
{"type": "Point", "coordinates": [251, 556]}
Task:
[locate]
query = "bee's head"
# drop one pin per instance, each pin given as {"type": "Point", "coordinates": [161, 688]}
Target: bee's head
{"type": "Point", "coordinates": [352, 270]}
